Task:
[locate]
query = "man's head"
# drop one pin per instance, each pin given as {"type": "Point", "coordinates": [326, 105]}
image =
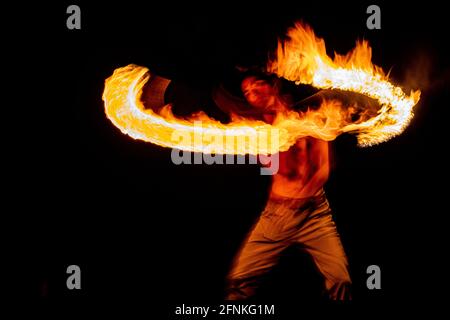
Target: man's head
{"type": "Point", "coordinates": [260, 93]}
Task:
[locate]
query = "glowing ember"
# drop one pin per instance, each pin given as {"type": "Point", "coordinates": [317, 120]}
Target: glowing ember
{"type": "Point", "coordinates": [302, 59]}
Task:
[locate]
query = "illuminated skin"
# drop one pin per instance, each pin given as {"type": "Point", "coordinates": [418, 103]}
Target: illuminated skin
{"type": "Point", "coordinates": [304, 168]}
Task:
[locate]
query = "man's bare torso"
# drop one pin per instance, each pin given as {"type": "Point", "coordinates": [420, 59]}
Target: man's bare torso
{"type": "Point", "coordinates": [303, 169]}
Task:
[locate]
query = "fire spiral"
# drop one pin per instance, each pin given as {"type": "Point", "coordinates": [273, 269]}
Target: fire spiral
{"type": "Point", "coordinates": [302, 59]}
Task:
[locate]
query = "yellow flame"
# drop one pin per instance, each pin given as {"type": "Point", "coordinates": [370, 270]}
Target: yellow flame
{"type": "Point", "coordinates": [302, 59]}
{"type": "Point", "coordinates": [198, 134]}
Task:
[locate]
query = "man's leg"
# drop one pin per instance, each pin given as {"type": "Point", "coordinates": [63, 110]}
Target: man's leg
{"type": "Point", "coordinates": [319, 237]}
{"type": "Point", "coordinates": [256, 257]}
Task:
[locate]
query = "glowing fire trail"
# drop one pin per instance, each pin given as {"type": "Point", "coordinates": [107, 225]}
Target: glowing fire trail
{"type": "Point", "coordinates": [302, 59]}
{"type": "Point", "coordinates": [125, 109]}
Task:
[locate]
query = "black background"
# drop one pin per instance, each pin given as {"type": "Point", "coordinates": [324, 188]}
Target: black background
{"type": "Point", "coordinates": [149, 235]}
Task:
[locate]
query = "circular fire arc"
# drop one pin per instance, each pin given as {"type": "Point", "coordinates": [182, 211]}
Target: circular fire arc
{"type": "Point", "coordinates": [302, 59]}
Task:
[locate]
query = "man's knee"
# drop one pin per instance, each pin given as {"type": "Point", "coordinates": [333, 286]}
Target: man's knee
{"type": "Point", "coordinates": [240, 288]}
{"type": "Point", "coordinates": [339, 289]}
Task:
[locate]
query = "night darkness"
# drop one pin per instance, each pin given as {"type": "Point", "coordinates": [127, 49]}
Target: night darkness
{"type": "Point", "coordinates": [150, 235]}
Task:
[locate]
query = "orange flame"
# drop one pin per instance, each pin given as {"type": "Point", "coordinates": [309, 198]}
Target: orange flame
{"type": "Point", "coordinates": [302, 59]}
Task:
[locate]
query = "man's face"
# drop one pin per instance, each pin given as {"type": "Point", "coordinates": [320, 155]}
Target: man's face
{"type": "Point", "coordinates": [259, 93]}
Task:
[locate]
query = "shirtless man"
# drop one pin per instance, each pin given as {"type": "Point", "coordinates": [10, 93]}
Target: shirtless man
{"type": "Point", "coordinates": [297, 211]}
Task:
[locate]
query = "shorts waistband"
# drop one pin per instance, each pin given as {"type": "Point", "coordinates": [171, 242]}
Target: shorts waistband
{"type": "Point", "coordinates": [296, 202]}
